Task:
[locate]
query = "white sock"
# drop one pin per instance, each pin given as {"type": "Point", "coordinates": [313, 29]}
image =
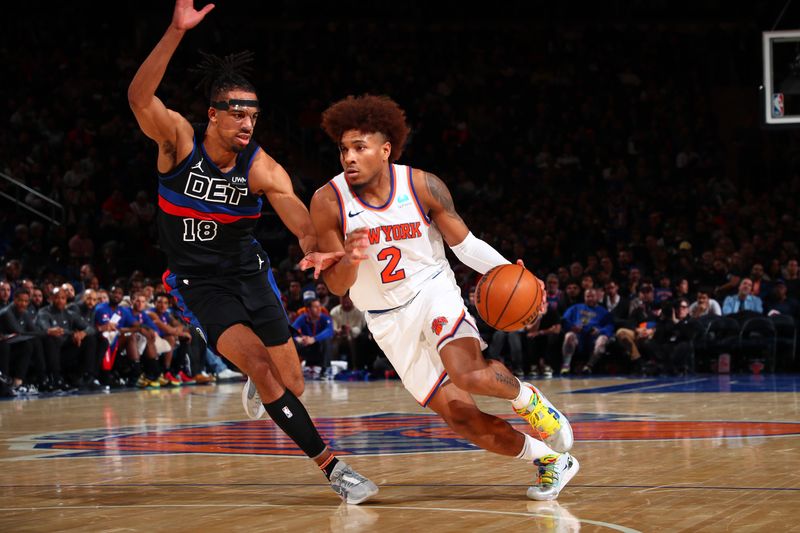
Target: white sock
{"type": "Point", "coordinates": [523, 398]}
{"type": "Point", "coordinates": [534, 449]}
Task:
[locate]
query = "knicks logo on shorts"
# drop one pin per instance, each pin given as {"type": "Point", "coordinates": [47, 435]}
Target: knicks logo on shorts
{"type": "Point", "coordinates": [438, 323]}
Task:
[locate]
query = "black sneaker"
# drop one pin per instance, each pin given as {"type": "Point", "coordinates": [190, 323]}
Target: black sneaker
{"type": "Point", "coordinates": [60, 385]}
{"type": "Point", "coordinates": [90, 384]}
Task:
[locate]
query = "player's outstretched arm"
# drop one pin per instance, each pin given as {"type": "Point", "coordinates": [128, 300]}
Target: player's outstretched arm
{"type": "Point", "coordinates": [155, 120]}
{"type": "Point", "coordinates": [437, 200]}
{"type": "Point", "coordinates": [269, 178]}
{"type": "Point", "coordinates": [325, 216]}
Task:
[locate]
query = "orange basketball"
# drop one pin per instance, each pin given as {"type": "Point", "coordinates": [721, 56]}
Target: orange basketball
{"type": "Point", "coordinates": [508, 297]}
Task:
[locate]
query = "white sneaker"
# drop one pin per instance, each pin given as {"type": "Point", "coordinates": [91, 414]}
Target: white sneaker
{"type": "Point", "coordinates": [351, 486]}
{"type": "Point", "coordinates": [251, 401]}
{"type": "Point", "coordinates": [550, 424]}
{"type": "Point", "coordinates": [555, 471]}
{"type": "Point", "coordinates": [229, 374]}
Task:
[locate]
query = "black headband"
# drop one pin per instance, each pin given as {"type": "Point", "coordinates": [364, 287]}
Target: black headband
{"type": "Point", "coordinates": [234, 102]}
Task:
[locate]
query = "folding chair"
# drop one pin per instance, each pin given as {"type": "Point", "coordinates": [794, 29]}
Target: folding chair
{"type": "Point", "coordinates": [757, 334]}
{"type": "Point", "coordinates": [719, 335]}
{"type": "Point", "coordinates": [786, 329]}
{"type": "Point", "coordinates": [722, 334]}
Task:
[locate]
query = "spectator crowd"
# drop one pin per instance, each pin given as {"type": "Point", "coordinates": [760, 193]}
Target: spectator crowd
{"type": "Point", "coordinates": [618, 159]}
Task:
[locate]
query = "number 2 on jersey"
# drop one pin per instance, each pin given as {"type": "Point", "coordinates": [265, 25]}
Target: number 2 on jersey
{"type": "Point", "coordinates": [389, 274]}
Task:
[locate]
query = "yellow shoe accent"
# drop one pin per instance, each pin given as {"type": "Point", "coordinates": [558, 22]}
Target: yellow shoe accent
{"type": "Point", "coordinates": [541, 417]}
{"type": "Point", "coordinates": [555, 471]}
{"type": "Point", "coordinates": [547, 474]}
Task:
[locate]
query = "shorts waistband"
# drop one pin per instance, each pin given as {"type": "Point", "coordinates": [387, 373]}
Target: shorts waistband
{"type": "Point", "coordinates": [381, 311]}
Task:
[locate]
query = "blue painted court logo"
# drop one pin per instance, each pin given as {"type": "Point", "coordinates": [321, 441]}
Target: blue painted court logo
{"type": "Point", "coordinates": [378, 434]}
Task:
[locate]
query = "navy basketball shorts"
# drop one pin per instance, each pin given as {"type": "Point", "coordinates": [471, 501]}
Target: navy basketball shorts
{"type": "Point", "coordinates": [216, 304]}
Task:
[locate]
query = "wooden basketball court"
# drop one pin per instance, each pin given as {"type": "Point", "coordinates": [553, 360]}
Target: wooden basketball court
{"type": "Point", "coordinates": [694, 454]}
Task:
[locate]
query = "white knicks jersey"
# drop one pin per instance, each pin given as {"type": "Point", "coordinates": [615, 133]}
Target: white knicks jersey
{"type": "Point", "coordinates": [404, 249]}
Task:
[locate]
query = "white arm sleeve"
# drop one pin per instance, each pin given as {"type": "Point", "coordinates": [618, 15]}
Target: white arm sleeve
{"type": "Point", "coordinates": [478, 255]}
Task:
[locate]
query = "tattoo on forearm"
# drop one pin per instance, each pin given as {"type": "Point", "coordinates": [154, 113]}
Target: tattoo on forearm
{"type": "Point", "coordinates": [440, 193]}
{"type": "Point", "coordinates": [506, 380]}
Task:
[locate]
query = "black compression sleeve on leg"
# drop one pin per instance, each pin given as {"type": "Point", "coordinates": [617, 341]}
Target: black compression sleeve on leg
{"type": "Point", "coordinates": [292, 417]}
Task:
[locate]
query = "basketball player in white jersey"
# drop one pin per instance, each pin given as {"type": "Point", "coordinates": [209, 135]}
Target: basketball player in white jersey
{"type": "Point", "coordinates": [392, 221]}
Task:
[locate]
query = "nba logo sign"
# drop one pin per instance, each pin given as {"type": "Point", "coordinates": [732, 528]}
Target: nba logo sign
{"type": "Point", "coordinates": [777, 105]}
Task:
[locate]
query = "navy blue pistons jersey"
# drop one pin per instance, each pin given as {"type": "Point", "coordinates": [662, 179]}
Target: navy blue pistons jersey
{"type": "Point", "coordinates": [207, 217]}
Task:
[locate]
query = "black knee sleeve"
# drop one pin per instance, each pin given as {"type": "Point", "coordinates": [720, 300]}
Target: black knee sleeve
{"type": "Point", "coordinates": [291, 416]}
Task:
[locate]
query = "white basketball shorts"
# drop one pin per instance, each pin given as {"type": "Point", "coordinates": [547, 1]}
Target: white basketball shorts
{"type": "Point", "coordinates": [412, 335]}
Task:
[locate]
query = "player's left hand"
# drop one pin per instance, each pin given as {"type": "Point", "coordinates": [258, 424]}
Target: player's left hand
{"type": "Point", "coordinates": [320, 261]}
{"type": "Point", "coordinates": [543, 308]}
{"type": "Point", "coordinates": [186, 17]}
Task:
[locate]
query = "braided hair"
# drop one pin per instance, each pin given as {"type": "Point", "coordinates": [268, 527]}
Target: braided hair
{"type": "Point", "coordinates": [220, 75]}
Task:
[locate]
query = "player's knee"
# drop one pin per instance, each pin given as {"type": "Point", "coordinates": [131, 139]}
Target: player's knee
{"type": "Point", "coordinates": [258, 369]}
{"type": "Point", "coordinates": [459, 421]}
{"type": "Point", "coordinates": [467, 381]}
{"type": "Point", "coordinates": [468, 425]}
{"type": "Point", "coordinates": [297, 386]}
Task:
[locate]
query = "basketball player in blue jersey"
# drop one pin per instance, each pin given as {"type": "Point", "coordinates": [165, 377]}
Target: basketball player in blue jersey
{"type": "Point", "coordinates": [391, 222]}
{"type": "Point", "coordinates": [211, 181]}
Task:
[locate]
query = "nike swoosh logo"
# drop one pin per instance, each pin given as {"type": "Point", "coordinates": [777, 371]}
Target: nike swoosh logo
{"type": "Point", "coordinates": [351, 214]}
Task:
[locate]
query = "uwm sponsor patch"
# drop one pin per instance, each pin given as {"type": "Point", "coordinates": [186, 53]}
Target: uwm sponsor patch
{"type": "Point", "coordinates": [377, 434]}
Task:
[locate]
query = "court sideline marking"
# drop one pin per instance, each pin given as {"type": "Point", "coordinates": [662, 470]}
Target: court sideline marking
{"type": "Point", "coordinates": [394, 485]}
{"type": "Point", "coordinates": [615, 527]}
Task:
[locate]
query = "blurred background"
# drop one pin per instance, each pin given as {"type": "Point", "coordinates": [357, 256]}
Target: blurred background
{"type": "Point", "coordinates": [621, 140]}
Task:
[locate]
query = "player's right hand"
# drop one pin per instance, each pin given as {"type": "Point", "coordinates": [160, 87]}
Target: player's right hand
{"type": "Point", "coordinates": [355, 246]}
{"type": "Point", "coordinates": [545, 303]}
{"type": "Point", "coordinates": [186, 17]}
{"type": "Point", "coordinates": [319, 261]}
